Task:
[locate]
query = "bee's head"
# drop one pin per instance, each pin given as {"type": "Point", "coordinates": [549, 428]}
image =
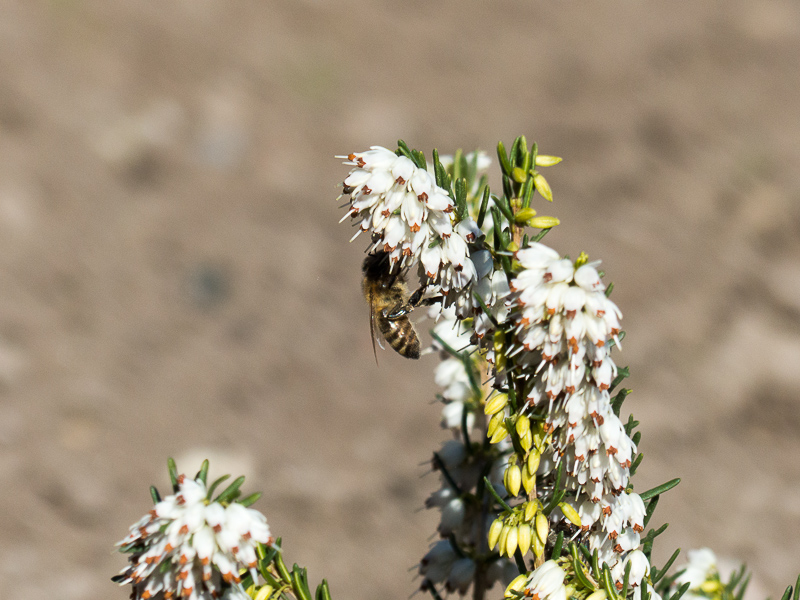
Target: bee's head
{"type": "Point", "coordinates": [378, 267]}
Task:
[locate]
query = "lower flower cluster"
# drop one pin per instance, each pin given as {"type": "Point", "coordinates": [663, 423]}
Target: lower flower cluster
{"type": "Point", "coordinates": [190, 547]}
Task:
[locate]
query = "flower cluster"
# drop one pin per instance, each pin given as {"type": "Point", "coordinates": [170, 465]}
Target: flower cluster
{"type": "Point", "coordinates": [190, 547]}
{"type": "Point", "coordinates": [412, 219]}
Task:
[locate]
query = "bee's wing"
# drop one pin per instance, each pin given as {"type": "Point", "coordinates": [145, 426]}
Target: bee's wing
{"type": "Point", "coordinates": [372, 325]}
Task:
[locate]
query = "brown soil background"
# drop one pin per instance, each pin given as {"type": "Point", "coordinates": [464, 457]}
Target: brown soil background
{"type": "Point", "coordinates": [174, 281]}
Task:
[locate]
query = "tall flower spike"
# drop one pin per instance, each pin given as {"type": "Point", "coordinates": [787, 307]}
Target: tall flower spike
{"type": "Point", "coordinates": [191, 548]}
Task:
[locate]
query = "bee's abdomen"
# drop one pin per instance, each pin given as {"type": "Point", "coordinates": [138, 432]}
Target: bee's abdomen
{"type": "Point", "coordinates": [401, 336]}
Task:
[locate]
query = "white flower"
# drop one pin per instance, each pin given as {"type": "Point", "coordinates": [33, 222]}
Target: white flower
{"type": "Point", "coordinates": [701, 566]}
{"type": "Point", "coordinates": [191, 549]}
{"type": "Point", "coordinates": [412, 219]}
{"type": "Point", "coordinates": [547, 581]}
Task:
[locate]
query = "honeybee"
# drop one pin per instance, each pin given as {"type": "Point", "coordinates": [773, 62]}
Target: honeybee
{"type": "Point", "coordinates": [389, 304]}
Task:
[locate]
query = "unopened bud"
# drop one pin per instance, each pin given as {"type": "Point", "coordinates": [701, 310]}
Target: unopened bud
{"type": "Point", "coordinates": [537, 546]}
{"type": "Point", "coordinates": [519, 175]}
{"type": "Point", "coordinates": [531, 508]}
{"type": "Point", "coordinates": [494, 422]}
{"type": "Point", "coordinates": [501, 541]}
{"type": "Point", "coordinates": [526, 441]}
{"type": "Point", "coordinates": [524, 538]}
{"type": "Point", "coordinates": [494, 532]}
{"type": "Point", "coordinates": [500, 434]}
{"type": "Point", "coordinates": [513, 479]}
{"type": "Point", "coordinates": [528, 480]}
{"type": "Point", "coordinates": [544, 222]}
{"type": "Point", "coordinates": [516, 584]}
{"type": "Point", "coordinates": [542, 527]}
{"type": "Point", "coordinates": [524, 214]}
{"type": "Point", "coordinates": [570, 513]}
{"type": "Point", "coordinates": [597, 595]}
{"type": "Point", "coordinates": [532, 464]}
{"type": "Point", "coordinates": [511, 541]}
{"type": "Point", "coordinates": [496, 404]}
{"type": "Point", "coordinates": [542, 186]}
{"type": "Point", "coordinates": [264, 593]}
{"type": "Point", "coordinates": [544, 160]}
{"type": "Point", "coordinates": [523, 425]}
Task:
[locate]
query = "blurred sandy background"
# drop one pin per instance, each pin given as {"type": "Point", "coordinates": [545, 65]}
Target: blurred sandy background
{"type": "Point", "coordinates": [174, 281]}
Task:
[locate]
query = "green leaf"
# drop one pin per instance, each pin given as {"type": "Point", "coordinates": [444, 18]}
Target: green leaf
{"type": "Point", "coordinates": [231, 492]}
{"type": "Point", "coordinates": [202, 474]}
{"type": "Point", "coordinates": [215, 485]}
{"type": "Point", "coordinates": [608, 584]}
{"type": "Point", "coordinates": [651, 507]}
{"type": "Point", "coordinates": [299, 583]}
{"type": "Point", "coordinates": [251, 499]}
{"type": "Point", "coordinates": [616, 404]}
{"type": "Point", "coordinates": [155, 495]}
{"type": "Point", "coordinates": [625, 580]}
{"type": "Point", "coordinates": [173, 473]}
{"type": "Point", "coordinates": [557, 546]}
{"type": "Point", "coordinates": [657, 574]}
{"type": "Point", "coordinates": [505, 164]}
{"type": "Point", "coordinates": [419, 159]}
{"type": "Point", "coordinates": [461, 199]}
{"type": "Point", "coordinates": [681, 591]}
{"type": "Point", "coordinates": [323, 592]}
{"type": "Point", "coordinates": [796, 588]}
{"type": "Point", "coordinates": [403, 149]}
{"type": "Point", "coordinates": [659, 489]}
{"type": "Point", "coordinates": [622, 373]}
{"type": "Point", "coordinates": [497, 498]}
{"type": "Point", "coordinates": [484, 206]}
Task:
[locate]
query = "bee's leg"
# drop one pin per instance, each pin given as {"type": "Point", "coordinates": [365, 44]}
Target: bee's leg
{"type": "Point", "coordinates": [398, 310]}
{"type": "Point", "coordinates": [417, 300]}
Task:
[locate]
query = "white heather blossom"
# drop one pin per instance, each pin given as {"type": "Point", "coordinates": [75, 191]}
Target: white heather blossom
{"type": "Point", "coordinates": [564, 326]}
{"type": "Point", "coordinates": [701, 567]}
{"type": "Point", "coordinates": [412, 219]}
{"type": "Point", "coordinates": [547, 582]}
{"type": "Point", "coordinates": [186, 547]}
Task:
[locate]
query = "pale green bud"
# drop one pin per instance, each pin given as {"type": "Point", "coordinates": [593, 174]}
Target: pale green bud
{"type": "Point", "coordinates": [532, 464]}
{"type": "Point", "coordinates": [511, 541]}
{"type": "Point", "coordinates": [494, 532]}
{"type": "Point", "coordinates": [531, 508]}
{"type": "Point", "coordinates": [542, 186]}
{"type": "Point", "coordinates": [513, 479]}
{"type": "Point", "coordinates": [526, 441]}
{"type": "Point", "coordinates": [524, 538]}
{"type": "Point", "coordinates": [496, 404]}
{"type": "Point", "coordinates": [516, 584]}
{"type": "Point", "coordinates": [570, 513]}
{"type": "Point", "coordinates": [523, 425]}
{"type": "Point", "coordinates": [542, 527]}
{"type": "Point", "coordinates": [597, 595]}
{"type": "Point", "coordinates": [501, 541]}
{"type": "Point", "coordinates": [528, 480]}
{"type": "Point", "coordinates": [500, 434]}
{"type": "Point", "coordinates": [544, 160]}
{"type": "Point", "coordinates": [524, 214]}
{"type": "Point", "coordinates": [264, 593]}
{"type": "Point", "coordinates": [544, 222]}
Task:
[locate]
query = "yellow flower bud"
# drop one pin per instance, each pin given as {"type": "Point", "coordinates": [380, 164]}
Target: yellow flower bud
{"type": "Point", "coordinates": [570, 513]}
{"type": "Point", "coordinates": [542, 186]}
{"type": "Point", "coordinates": [511, 541]}
{"type": "Point", "coordinates": [526, 441]}
{"type": "Point", "coordinates": [544, 160]}
{"type": "Point", "coordinates": [496, 404]}
{"type": "Point", "coordinates": [513, 479]}
{"type": "Point", "coordinates": [524, 214]}
{"type": "Point", "coordinates": [524, 538]}
{"type": "Point", "coordinates": [537, 546]}
{"type": "Point", "coordinates": [597, 595]}
{"type": "Point", "coordinates": [528, 480]}
{"type": "Point", "coordinates": [512, 246]}
{"type": "Point", "coordinates": [499, 342]}
{"type": "Point", "coordinates": [501, 541]}
{"type": "Point", "coordinates": [519, 175]}
{"type": "Point", "coordinates": [711, 587]}
{"type": "Point", "coordinates": [494, 532]}
{"type": "Point", "coordinates": [494, 422]}
{"type": "Point", "coordinates": [264, 593]}
{"type": "Point", "coordinates": [523, 425]}
{"type": "Point", "coordinates": [500, 434]}
{"type": "Point", "coordinates": [531, 508]}
{"type": "Point", "coordinates": [542, 527]}
{"type": "Point", "coordinates": [532, 464]}
{"type": "Point", "coordinates": [544, 222]}
{"type": "Point", "coordinates": [516, 584]}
